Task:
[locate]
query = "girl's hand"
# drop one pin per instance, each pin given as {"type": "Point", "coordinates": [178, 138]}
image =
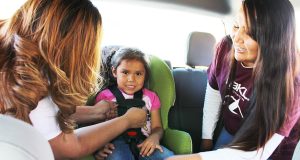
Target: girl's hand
{"type": "Point", "coordinates": [104, 152]}
{"type": "Point", "coordinates": [149, 145]}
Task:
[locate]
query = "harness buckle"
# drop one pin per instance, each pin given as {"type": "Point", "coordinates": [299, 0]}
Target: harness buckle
{"type": "Point", "coordinates": [132, 133]}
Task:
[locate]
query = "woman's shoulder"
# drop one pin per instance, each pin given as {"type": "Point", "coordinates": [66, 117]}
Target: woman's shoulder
{"type": "Point", "coordinates": [46, 105]}
{"type": "Point", "coordinates": [44, 118]}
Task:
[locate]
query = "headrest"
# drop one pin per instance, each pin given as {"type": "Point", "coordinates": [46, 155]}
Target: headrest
{"type": "Point", "coordinates": [200, 49]}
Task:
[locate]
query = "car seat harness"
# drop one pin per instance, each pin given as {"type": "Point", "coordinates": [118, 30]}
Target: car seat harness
{"type": "Point", "coordinates": [132, 136]}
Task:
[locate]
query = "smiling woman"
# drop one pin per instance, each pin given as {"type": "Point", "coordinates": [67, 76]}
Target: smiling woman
{"type": "Point", "coordinates": [258, 105]}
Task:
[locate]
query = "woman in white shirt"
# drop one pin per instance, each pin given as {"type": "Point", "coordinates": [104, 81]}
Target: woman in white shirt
{"type": "Point", "coordinates": [49, 65]}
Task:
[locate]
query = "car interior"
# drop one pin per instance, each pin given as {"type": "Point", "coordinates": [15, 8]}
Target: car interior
{"type": "Point", "coordinates": [180, 37]}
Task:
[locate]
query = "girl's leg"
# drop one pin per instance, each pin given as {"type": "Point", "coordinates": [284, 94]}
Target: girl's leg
{"type": "Point", "coordinates": [224, 139]}
{"type": "Point", "coordinates": [157, 155]}
{"type": "Point", "coordinates": [121, 151]}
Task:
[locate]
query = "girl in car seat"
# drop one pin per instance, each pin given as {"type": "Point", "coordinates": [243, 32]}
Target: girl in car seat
{"type": "Point", "coordinates": [129, 70]}
{"type": "Point", "coordinates": [255, 78]}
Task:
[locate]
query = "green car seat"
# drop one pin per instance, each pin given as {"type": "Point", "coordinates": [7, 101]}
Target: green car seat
{"type": "Point", "coordinates": [161, 81]}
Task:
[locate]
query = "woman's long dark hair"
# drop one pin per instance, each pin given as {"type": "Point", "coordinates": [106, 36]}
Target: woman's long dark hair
{"type": "Point", "coordinates": [272, 24]}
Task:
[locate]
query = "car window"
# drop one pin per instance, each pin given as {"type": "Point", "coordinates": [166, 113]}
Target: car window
{"type": "Point", "coordinates": [156, 28]}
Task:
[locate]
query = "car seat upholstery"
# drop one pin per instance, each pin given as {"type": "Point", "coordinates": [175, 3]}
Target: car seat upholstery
{"type": "Point", "coordinates": [20, 141]}
{"type": "Point", "coordinates": [190, 86]}
{"type": "Point", "coordinates": [162, 82]}
{"type": "Point", "coordinates": [187, 112]}
{"type": "Point", "coordinates": [200, 49]}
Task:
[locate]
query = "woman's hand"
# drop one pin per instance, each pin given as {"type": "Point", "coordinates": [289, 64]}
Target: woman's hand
{"type": "Point", "coordinates": [104, 152]}
{"type": "Point", "coordinates": [107, 108]}
{"type": "Point", "coordinates": [100, 112]}
{"type": "Point", "coordinates": [135, 117]}
{"type": "Point", "coordinates": [149, 146]}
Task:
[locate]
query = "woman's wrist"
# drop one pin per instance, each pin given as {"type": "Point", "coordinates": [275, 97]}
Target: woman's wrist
{"type": "Point", "coordinates": [125, 121]}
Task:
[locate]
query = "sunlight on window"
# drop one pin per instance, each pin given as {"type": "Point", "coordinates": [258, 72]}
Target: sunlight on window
{"type": "Point", "coordinates": [159, 31]}
{"type": "Point", "coordinates": [7, 8]}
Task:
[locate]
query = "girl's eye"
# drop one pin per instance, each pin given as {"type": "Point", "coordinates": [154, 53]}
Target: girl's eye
{"type": "Point", "coordinates": [125, 72]}
{"type": "Point", "coordinates": [139, 74]}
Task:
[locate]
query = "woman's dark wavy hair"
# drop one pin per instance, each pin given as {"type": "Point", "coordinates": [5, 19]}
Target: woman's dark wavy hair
{"type": "Point", "coordinates": [272, 24]}
{"type": "Point", "coordinates": [117, 55]}
{"type": "Point", "coordinates": [49, 48]}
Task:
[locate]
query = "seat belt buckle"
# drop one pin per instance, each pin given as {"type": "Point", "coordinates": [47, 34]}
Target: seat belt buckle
{"type": "Point", "coordinates": [132, 133]}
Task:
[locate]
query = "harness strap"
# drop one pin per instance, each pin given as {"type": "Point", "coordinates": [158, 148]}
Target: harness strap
{"type": "Point", "coordinates": [132, 136]}
{"type": "Point", "coordinates": [125, 104]}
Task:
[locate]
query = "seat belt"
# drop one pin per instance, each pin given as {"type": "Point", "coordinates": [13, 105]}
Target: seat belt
{"type": "Point", "coordinates": [132, 136]}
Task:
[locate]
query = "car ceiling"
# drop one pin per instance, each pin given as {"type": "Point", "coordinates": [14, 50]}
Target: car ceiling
{"type": "Point", "coordinates": [220, 7]}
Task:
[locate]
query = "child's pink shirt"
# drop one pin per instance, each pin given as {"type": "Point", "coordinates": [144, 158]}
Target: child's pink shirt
{"type": "Point", "coordinates": [151, 99]}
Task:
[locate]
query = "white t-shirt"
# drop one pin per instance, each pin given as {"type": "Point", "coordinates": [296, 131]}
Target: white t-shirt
{"type": "Point", "coordinates": [235, 154]}
{"type": "Point", "coordinates": [43, 118]}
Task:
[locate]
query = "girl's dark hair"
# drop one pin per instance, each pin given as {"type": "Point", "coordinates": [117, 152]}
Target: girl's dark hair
{"type": "Point", "coordinates": [124, 53]}
{"type": "Point", "coordinates": [272, 24]}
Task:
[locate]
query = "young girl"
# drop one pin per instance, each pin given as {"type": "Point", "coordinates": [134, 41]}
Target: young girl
{"type": "Point", "coordinates": [130, 71]}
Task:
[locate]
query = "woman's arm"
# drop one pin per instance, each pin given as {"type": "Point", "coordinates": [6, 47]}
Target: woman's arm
{"type": "Point", "coordinates": [86, 140]}
{"type": "Point", "coordinates": [93, 114]}
{"type": "Point", "coordinates": [211, 111]}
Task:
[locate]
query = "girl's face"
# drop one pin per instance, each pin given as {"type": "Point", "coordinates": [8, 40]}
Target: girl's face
{"type": "Point", "coordinates": [130, 75]}
{"type": "Point", "coordinates": [245, 48]}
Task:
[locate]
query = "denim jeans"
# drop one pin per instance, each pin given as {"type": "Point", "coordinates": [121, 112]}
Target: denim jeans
{"type": "Point", "coordinates": [224, 139]}
{"type": "Point", "coordinates": [122, 152]}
